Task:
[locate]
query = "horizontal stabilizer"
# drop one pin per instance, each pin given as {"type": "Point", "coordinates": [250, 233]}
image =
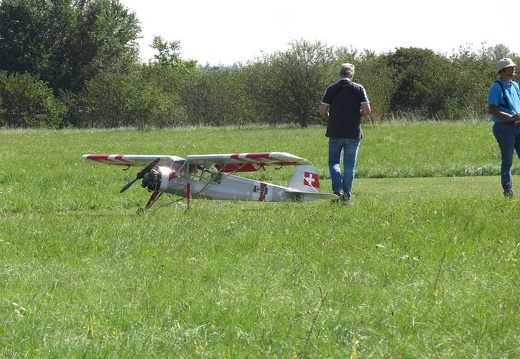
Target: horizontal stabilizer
{"type": "Point", "coordinates": [302, 195]}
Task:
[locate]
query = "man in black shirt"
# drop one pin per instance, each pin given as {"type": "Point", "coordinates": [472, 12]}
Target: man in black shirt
{"type": "Point", "coordinates": [343, 105]}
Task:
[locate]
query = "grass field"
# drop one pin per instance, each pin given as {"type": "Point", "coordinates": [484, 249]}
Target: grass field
{"type": "Point", "coordinates": [424, 265]}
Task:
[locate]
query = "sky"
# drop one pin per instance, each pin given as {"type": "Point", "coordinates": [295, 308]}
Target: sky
{"type": "Point", "coordinates": [224, 32]}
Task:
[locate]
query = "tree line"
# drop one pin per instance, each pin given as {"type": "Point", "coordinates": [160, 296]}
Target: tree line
{"type": "Point", "coordinates": [75, 63]}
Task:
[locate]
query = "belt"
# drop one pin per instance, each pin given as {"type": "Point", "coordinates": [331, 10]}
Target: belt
{"type": "Point", "coordinates": [508, 123]}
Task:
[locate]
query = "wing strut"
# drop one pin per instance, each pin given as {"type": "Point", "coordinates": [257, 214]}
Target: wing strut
{"type": "Point", "coordinates": [188, 194]}
{"type": "Point", "coordinates": [220, 172]}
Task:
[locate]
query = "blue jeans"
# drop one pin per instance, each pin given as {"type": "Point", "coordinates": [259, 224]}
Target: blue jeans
{"type": "Point", "coordinates": [350, 147]}
{"type": "Point", "coordinates": [508, 138]}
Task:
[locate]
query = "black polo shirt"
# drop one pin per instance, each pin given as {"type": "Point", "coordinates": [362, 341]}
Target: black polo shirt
{"type": "Point", "coordinates": [344, 98]}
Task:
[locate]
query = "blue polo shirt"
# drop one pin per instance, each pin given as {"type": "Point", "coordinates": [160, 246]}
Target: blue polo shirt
{"type": "Point", "coordinates": [496, 98]}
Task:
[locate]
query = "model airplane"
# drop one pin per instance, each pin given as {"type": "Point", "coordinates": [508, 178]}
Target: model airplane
{"type": "Point", "coordinates": [211, 176]}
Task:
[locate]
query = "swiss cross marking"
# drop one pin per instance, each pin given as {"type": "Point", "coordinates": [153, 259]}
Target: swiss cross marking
{"type": "Point", "coordinates": [311, 179]}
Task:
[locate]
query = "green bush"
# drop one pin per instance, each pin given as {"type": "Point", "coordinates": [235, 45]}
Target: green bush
{"type": "Point", "coordinates": [217, 97]}
{"type": "Point", "coordinates": [27, 102]}
{"type": "Point", "coordinates": [113, 100]}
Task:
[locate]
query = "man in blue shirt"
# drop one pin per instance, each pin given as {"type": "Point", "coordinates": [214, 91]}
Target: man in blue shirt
{"type": "Point", "coordinates": [343, 105]}
{"type": "Point", "coordinates": [504, 108]}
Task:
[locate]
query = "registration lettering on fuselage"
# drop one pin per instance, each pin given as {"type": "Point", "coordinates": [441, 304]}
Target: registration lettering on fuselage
{"type": "Point", "coordinates": [261, 190]}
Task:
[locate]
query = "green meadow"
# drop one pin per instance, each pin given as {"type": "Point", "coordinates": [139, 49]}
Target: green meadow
{"type": "Point", "coordinates": [425, 264]}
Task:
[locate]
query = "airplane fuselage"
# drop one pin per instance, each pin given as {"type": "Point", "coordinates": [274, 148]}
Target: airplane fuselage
{"type": "Point", "coordinates": [221, 186]}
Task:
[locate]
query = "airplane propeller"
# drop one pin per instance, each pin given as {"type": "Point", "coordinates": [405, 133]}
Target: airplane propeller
{"type": "Point", "coordinates": [140, 174]}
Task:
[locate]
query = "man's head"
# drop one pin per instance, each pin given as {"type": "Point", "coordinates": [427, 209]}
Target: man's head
{"type": "Point", "coordinates": [346, 70]}
{"type": "Point", "coordinates": [504, 64]}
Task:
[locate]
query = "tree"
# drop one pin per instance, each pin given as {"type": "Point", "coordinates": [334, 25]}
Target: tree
{"type": "Point", "coordinates": [495, 53]}
{"type": "Point", "coordinates": [376, 76]}
{"type": "Point", "coordinates": [472, 75]}
{"type": "Point", "coordinates": [423, 83]}
{"type": "Point", "coordinates": [169, 57]}
{"type": "Point", "coordinates": [67, 42]}
{"type": "Point", "coordinates": [288, 85]}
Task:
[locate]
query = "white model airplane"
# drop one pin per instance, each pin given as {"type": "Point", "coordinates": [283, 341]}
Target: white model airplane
{"type": "Point", "coordinates": [210, 176]}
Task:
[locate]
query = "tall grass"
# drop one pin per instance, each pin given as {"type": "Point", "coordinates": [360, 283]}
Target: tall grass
{"type": "Point", "coordinates": [424, 265]}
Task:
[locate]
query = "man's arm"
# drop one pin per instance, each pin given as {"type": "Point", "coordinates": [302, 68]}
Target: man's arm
{"type": "Point", "coordinates": [365, 109]}
{"type": "Point", "coordinates": [324, 111]}
{"type": "Point", "coordinates": [493, 110]}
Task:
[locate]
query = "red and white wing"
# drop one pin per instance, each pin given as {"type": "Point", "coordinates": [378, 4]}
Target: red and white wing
{"type": "Point", "coordinates": [246, 162]}
{"type": "Point", "coordinates": [132, 160]}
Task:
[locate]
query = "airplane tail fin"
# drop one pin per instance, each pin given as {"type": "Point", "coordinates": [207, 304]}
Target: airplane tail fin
{"type": "Point", "coordinates": [305, 185]}
{"type": "Point", "coordinates": [305, 178]}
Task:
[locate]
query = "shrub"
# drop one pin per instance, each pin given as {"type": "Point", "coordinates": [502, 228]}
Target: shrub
{"type": "Point", "coordinates": [28, 102]}
{"type": "Point", "coordinates": [113, 100]}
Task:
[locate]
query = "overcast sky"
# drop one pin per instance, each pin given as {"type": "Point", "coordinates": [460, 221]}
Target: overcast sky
{"type": "Point", "coordinates": [222, 32]}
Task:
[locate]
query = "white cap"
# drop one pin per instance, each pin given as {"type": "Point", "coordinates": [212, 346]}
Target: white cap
{"type": "Point", "coordinates": [505, 62]}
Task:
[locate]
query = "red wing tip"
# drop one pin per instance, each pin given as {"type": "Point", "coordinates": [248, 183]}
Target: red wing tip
{"type": "Point", "coordinates": [95, 157]}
